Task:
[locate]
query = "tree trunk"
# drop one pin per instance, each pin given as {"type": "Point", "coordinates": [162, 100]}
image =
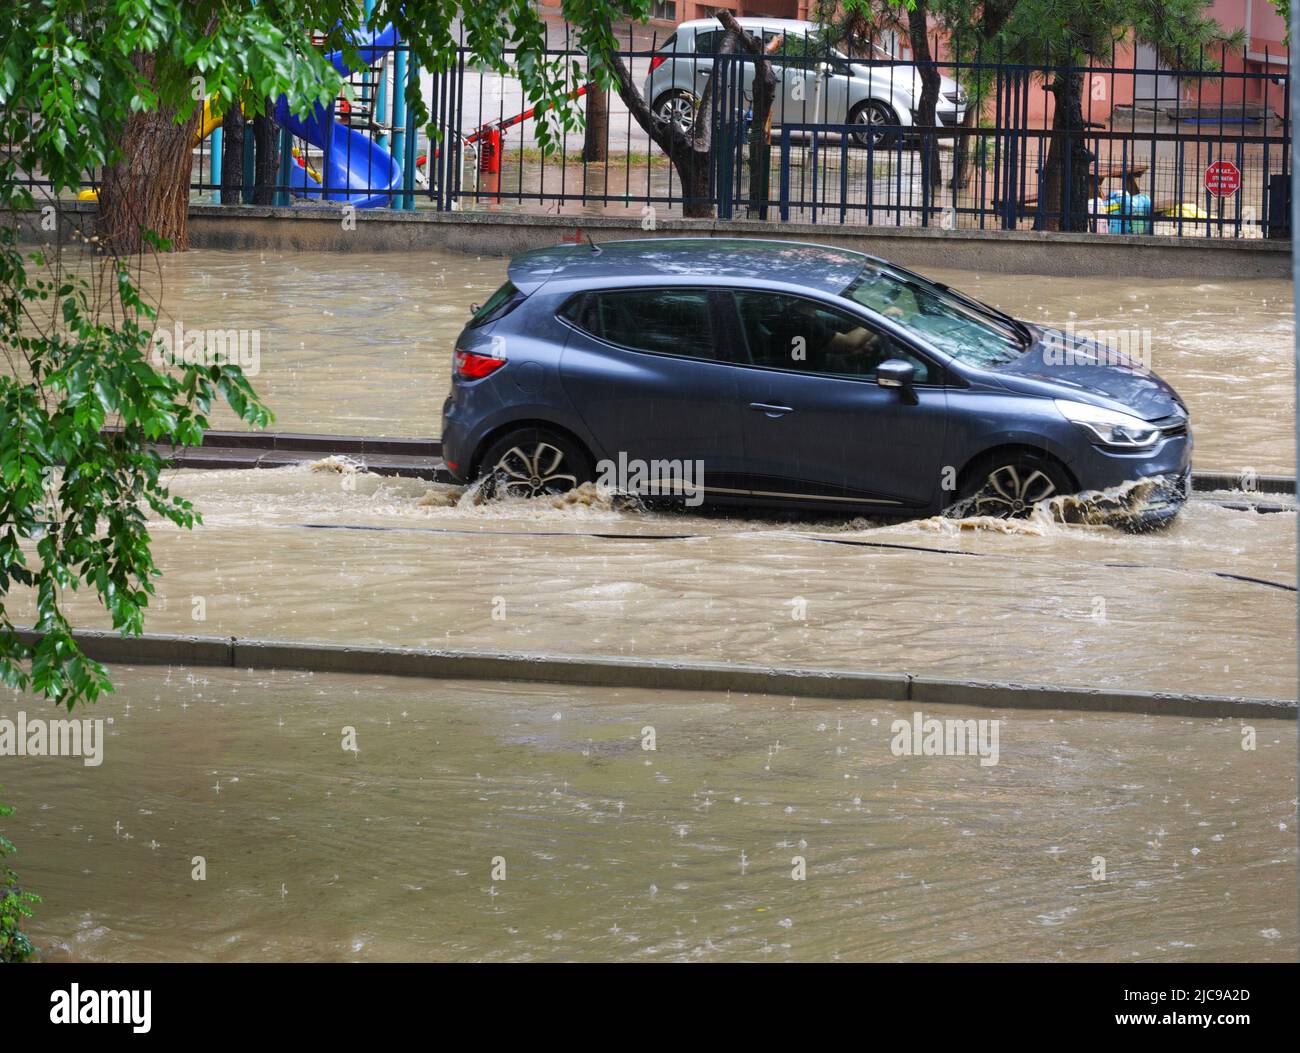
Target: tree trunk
{"type": "Point", "coordinates": [963, 149]}
{"type": "Point", "coordinates": [691, 155]}
{"type": "Point", "coordinates": [1063, 205]}
{"type": "Point", "coordinates": [149, 188]}
{"type": "Point", "coordinates": [266, 143]}
{"type": "Point", "coordinates": [917, 27]}
{"type": "Point", "coordinates": [595, 142]}
{"type": "Point", "coordinates": [232, 156]}
{"type": "Point", "coordinates": [760, 129]}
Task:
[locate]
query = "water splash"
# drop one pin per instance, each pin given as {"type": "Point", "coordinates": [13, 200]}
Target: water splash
{"type": "Point", "coordinates": [1123, 506]}
{"type": "Point", "coordinates": [338, 465]}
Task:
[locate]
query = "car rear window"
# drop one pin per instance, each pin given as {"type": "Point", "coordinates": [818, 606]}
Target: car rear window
{"type": "Point", "coordinates": [661, 321]}
{"type": "Point", "coordinates": [498, 305]}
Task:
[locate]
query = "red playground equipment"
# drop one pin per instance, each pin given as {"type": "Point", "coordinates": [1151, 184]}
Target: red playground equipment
{"type": "Point", "coordinates": [487, 139]}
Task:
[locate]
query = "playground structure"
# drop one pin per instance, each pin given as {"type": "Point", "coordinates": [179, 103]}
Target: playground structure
{"type": "Point", "coordinates": [354, 168]}
{"type": "Point", "coordinates": [358, 169]}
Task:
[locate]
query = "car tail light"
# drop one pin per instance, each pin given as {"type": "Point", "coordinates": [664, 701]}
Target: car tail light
{"type": "Point", "coordinates": [471, 365]}
{"type": "Point", "coordinates": [656, 62]}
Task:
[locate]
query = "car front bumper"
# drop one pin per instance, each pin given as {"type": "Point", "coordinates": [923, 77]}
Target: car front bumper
{"type": "Point", "coordinates": [1139, 491]}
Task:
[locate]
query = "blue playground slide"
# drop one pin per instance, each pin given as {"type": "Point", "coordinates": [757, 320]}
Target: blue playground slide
{"type": "Point", "coordinates": [357, 167]}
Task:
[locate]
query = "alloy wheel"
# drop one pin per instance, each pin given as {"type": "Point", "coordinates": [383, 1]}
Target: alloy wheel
{"type": "Point", "coordinates": [1012, 491]}
{"type": "Point", "coordinates": [872, 119]}
{"type": "Point", "coordinates": [679, 109]}
{"type": "Point", "coordinates": [530, 472]}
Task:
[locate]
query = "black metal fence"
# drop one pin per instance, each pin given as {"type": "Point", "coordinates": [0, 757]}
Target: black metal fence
{"type": "Point", "coordinates": [1202, 149]}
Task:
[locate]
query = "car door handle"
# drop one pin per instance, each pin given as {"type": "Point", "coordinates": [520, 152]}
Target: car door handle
{"type": "Point", "coordinates": [770, 409]}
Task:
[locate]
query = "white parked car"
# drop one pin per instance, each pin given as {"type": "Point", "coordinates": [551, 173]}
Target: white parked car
{"type": "Point", "coordinates": [876, 94]}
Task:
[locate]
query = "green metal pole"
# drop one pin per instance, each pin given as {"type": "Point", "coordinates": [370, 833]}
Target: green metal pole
{"type": "Point", "coordinates": [282, 198]}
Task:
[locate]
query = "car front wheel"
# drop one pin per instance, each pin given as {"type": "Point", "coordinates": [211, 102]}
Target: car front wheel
{"type": "Point", "coordinates": [1009, 485]}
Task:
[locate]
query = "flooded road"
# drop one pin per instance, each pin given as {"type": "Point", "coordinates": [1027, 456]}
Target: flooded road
{"type": "Point", "coordinates": [1207, 606]}
{"type": "Point", "coordinates": [527, 822]}
{"type": "Point", "coordinates": [361, 343]}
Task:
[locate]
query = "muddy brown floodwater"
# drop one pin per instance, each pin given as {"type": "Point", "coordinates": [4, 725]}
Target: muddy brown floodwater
{"type": "Point", "coordinates": [361, 343]}
{"type": "Point", "coordinates": [1207, 606]}
{"type": "Point", "coordinates": [395, 849]}
{"type": "Point", "coordinates": [1115, 838]}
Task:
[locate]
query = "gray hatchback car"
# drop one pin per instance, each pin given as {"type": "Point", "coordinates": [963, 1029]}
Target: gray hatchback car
{"type": "Point", "coordinates": [795, 375]}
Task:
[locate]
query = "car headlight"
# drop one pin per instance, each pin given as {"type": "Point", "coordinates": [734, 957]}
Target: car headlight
{"type": "Point", "coordinates": [1109, 426]}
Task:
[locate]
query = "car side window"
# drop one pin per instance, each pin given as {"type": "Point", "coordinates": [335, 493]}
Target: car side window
{"type": "Point", "coordinates": [661, 321]}
{"type": "Point", "coordinates": [706, 43]}
{"type": "Point", "coordinates": [789, 332]}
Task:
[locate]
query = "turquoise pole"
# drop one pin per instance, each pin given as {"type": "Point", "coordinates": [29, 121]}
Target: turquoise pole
{"type": "Point", "coordinates": [214, 169]}
{"type": "Point", "coordinates": [399, 123]}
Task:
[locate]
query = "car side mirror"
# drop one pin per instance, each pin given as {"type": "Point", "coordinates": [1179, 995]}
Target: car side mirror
{"type": "Point", "coordinates": [895, 373]}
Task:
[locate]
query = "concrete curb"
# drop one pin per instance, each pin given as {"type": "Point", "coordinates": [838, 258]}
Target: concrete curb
{"type": "Point", "coordinates": [168, 649]}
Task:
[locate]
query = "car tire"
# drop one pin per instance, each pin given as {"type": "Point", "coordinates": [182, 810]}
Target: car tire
{"type": "Point", "coordinates": [872, 115]}
{"type": "Point", "coordinates": [678, 106]}
{"type": "Point", "coordinates": [1008, 485]}
{"type": "Point", "coordinates": [533, 462]}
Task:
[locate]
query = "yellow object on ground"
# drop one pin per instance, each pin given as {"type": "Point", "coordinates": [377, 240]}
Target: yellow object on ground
{"type": "Point", "coordinates": [1184, 210]}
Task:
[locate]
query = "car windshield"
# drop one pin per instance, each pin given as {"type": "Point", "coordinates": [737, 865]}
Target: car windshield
{"type": "Point", "coordinates": [968, 331]}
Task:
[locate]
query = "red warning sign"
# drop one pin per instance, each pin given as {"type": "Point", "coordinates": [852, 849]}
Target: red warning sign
{"type": "Point", "coordinates": [1223, 179]}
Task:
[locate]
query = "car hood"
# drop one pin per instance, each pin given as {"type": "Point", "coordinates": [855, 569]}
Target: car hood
{"type": "Point", "coordinates": [1091, 372]}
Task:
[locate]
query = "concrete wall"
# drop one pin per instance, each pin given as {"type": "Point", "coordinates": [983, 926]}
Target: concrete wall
{"type": "Point", "coordinates": [1128, 257]}
{"type": "Point", "coordinates": [1012, 252]}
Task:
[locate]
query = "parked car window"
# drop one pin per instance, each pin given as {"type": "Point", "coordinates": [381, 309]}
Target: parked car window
{"type": "Point", "coordinates": [789, 332]}
{"type": "Point", "coordinates": [969, 332]}
{"type": "Point", "coordinates": [662, 321]}
{"type": "Point", "coordinates": [796, 49]}
{"type": "Point", "coordinates": [706, 43]}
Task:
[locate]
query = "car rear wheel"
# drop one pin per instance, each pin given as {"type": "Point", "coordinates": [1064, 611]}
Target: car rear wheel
{"type": "Point", "coordinates": [1008, 485]}
{"type": "Point", "coordinates": [532, 462]}
{"type": "Point", "coordinates": [873, 120]}
{"type": "Point", "coordinates": [678, 107]}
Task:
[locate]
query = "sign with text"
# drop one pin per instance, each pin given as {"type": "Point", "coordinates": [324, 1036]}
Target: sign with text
{"type": "Point", "coordinates": [1222, 178]}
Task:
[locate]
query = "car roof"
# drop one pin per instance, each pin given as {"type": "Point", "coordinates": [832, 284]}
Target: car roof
{"type": "Point", "coordinates": [644, 261]}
